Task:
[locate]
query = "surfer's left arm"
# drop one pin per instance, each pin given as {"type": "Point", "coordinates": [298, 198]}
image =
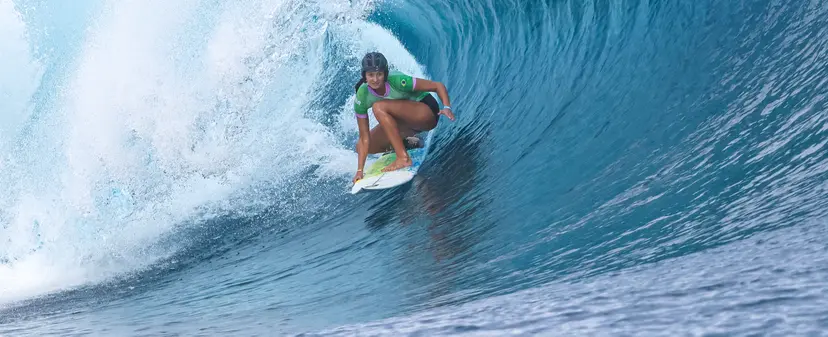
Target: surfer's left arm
{"type": "Point", "coordinates": [421, 84]}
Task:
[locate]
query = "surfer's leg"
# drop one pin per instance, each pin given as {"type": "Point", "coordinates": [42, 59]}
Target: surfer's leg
{"type": "Point", "coordinates": [379, 139]}
{"type": "Point", "coordinates": [411, 115]}
{"type": "Point", "coordinates": [417, 116]}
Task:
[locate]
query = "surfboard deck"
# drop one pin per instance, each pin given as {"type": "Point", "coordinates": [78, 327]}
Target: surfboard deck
{"type": "Point", "coordinates": [374, 179]}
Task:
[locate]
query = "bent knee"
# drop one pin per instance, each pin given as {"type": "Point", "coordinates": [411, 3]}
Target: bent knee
{"type": "Point", "coordinates": [381, 107]}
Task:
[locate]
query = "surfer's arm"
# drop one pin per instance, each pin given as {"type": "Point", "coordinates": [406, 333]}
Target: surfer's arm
{"type": "Point", "coordinates": [361, 106]}
{"type": "Point", "coordinates": [363, 142]}
{"type": "Point", "coordinates": [421, 84]}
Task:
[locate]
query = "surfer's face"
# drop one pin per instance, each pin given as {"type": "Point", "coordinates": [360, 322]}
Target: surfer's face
{"type": "Point", "coordinates": [375, 79]}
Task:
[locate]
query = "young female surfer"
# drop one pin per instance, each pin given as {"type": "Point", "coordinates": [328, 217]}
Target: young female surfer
{"type": "Point", "coordinates": [402, 105]}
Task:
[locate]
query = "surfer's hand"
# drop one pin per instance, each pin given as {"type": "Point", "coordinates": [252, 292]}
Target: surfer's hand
{"type": "Point", "coordinates": [357, 176]}
{"type": "Point", "coordinates": [447, 113]}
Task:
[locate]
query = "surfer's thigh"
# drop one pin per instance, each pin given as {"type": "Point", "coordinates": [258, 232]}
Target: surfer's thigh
{"type": "Point", "coordinates": [416, 115]}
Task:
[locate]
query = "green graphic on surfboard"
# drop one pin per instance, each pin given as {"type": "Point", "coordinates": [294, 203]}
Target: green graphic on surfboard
{"type": "Point", "coordinates": [375, 179]}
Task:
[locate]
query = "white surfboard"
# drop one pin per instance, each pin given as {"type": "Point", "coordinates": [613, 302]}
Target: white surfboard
{"type": "Point", "coordinates": [383, 181]}
{"type": "Point", "coordinates": [374, 179]}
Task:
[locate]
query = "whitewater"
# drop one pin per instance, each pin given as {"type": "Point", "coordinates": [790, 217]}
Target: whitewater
{"type": "Point", "coordinates": [616, 168]}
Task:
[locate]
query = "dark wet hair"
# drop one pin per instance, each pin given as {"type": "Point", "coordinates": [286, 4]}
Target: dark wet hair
{"type": "Point", "coordinates": [359, 84]}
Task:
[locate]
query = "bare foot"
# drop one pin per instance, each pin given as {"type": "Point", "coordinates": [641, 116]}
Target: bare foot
{"type": "Point", "coordinates": [398, 164]}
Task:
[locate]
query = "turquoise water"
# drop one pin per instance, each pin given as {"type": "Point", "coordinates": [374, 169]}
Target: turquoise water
{"type": "Point", "coordinates": [616, 168]}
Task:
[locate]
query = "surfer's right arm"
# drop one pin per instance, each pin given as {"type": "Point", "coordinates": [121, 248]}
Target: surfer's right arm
{"type": "Point", "coordinates": [362, 144]}
{"type": "Point", "coordinates": [364, 141]}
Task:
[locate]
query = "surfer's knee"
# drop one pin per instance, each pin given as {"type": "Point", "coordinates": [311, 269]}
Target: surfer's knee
{"type": "Point", "coordinates": [379, 108]}
{"type": "Point", "coordinates": [381, 113]}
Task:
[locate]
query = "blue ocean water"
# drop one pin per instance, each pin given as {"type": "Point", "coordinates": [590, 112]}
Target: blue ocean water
{"type": "Point", "coordinates": [616, 168]}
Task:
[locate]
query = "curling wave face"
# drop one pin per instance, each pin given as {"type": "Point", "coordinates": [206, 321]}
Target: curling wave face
{"type": "Point", "coordinates": [195, 170]}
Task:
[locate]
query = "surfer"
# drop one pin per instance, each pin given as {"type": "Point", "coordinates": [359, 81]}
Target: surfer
{"type": "Point", "coordinates": [403, 107]}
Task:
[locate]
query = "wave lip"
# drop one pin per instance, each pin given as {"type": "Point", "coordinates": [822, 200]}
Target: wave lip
{"type": "Point", "coordinates": [21, 70]}
{"type": "Point", "coordinates": [166, 118]}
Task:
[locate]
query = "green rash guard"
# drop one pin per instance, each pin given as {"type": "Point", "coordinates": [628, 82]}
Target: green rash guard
{"type": "Point", "coordinates": [398, 86]}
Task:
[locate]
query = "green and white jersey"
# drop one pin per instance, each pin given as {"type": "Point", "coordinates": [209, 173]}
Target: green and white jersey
{"type": "Point", "coordinates": [397, 86]}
